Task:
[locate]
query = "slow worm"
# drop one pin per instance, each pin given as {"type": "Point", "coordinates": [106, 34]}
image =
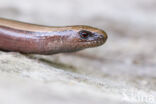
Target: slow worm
{"type": "Point", "coordinates": [30, 38]}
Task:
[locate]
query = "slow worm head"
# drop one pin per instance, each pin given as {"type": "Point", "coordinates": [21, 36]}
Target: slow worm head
{"type": "Point", "coordinates": [30, 38]}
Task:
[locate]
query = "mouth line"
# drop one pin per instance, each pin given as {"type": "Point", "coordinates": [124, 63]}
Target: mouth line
{"type": "Point", "coordinates": [94, 43]}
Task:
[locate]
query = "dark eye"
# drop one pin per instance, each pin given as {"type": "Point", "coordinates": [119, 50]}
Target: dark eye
{"type": "Point", "coordinates": [85, 34]}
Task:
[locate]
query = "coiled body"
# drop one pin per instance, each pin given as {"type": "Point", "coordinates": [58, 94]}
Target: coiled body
{"type": "Point", "coordinates": [31, 38]}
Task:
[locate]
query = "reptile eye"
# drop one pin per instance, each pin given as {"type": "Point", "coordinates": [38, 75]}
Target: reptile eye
{"type": "Point", "coordinates": [85, 34]}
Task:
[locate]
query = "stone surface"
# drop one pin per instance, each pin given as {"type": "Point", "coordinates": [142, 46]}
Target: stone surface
{"type": "Point", "coordinates": [123, 71]}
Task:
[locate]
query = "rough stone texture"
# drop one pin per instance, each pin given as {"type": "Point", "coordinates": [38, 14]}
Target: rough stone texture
{"type": "Point", "coordinates": [123, 71]}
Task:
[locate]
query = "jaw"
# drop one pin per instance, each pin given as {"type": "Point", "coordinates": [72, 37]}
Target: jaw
{"type": "Point", "coordinates": [93, 43]}
{"type": "Point", "coordinates": [82, 45]}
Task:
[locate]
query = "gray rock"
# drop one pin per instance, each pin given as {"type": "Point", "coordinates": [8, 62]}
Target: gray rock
{"type": "Point", "coordinates": [120, 72]}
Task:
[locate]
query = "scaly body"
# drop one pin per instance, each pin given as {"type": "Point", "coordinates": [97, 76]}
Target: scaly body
{"type": "Point", "coordinates": [30, 38]}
